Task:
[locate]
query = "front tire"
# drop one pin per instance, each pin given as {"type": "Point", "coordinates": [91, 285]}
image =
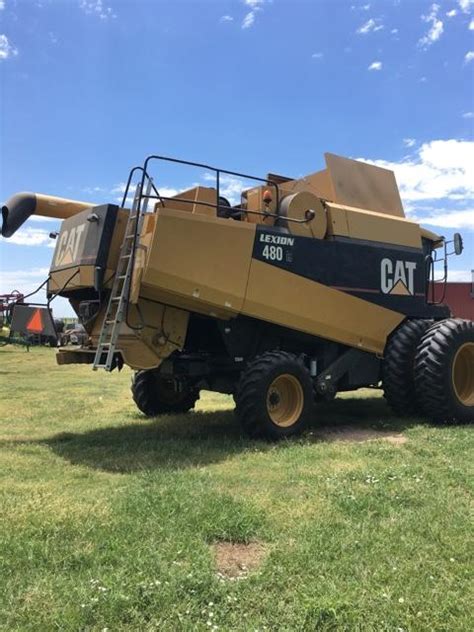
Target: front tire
{"type": "Point", "coordinates": [274, 397]}
{"type": "Point", "coordinates": [154, 395]}
{"type": "Point", "coordinates": [444, 371]}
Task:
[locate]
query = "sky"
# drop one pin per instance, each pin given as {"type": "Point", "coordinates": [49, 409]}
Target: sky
{"type": "Point", "coordinates": [90, 87]}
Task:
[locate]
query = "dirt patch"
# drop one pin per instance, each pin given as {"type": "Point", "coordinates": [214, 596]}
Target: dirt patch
{"type": "Point", "coordinates": [235, 561]}
{"type": "Point", "coordinates": [358, 435]}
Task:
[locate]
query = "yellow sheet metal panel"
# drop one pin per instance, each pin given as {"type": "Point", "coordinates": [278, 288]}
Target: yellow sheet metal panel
{"type": "Point", "coordinates": [199, 197]}
{"type": "Point", "coordinates": [156, 331]}
{"type": "Point", "coordinates": [371, 226]}
{"type": "Point", "coordinates": [290, 300]}
{"type": "Point", "coordinates": [318, 183]}
{"type": "Point", "coordinates": [359, 184]}
{"type": "Point", "coordinates": [337, 220]}
{"type": "Point", "coordinates": [205, 260]}
{"type": "Point", "coordinates": [184, 302]}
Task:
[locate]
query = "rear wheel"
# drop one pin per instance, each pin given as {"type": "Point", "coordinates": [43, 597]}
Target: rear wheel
{"type": "Point", "coordinates": [398, 366]}
{"type": "Point", "coordinates": [274, 397]}
{"type": "Point", "coordinates": [156, 395]}
{"type": "Point", "coordinates": [444, 371]}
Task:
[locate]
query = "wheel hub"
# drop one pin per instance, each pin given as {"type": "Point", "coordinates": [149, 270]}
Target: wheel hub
{"type": "Point", "coordinates": [463, 374]}
{"type": "Point", "coordinates": [285, 400]}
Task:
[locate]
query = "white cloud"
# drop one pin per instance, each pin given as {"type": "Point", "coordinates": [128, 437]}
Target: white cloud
{"type": "Point", "coordinates": [255, 6]}
{"type": "Point", "coordinates": [24, 281]}
{"type": "Point", "coordinates": [375, 65]}
{"type": "Point", "coordinates": [449, 219]}
{"type": "Point", "coordinates": [370, 26]}
{"type": "Point", "coordinates": [441, 170]}
{"type": "Point", "coordinates": [468, 57]}
{"type": "Point", "coordinates": [27, 281]}
{"type": "Point", "coordinates": [230, 187]}
{"type": "Point", "coordinates": [468, 115]}
{"type": "Point", "coordinates": [2, 5]}
{"type": "Point", "coordinates": [97, 8]}
{"type": "Point", "coordinates": [460, 276]}
{"type": "Point", "coordinates": [436, 28]}
{"type": "Point", "coordinates": [248, 20]}
{"type": "Point", "coordinates": [6, 48]}
{"type": "Point", "coordinates": [226, 18]}
{"type": "Point", "coordinates": [119, 189]}
{"type": "Point", "coordinates": [465, 5]}
{"type": "Point", "coordinates": [317, 55]}
{"type": "Point", "coordinates": [452, 13]}
{"type": "Point", "coordinates": [30, 237]}
{"type": "Point", "coordinates": [409, 142]}
{"type": "Point", "coordinates": [394, 31]}
{"type": "Point", "coordinates": [471, 25]}
{"type": "Point", "coordinates": [42, 218]}
{"type": "Point", "coordinates": [437, 184]}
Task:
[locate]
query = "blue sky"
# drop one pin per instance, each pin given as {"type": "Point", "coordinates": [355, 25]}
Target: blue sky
{"type": "Point", "coordinates": [89, 87]}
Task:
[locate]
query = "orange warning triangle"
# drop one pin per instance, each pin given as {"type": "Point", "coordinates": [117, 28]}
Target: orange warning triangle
{"type": "Point", "coordinates": [35, 324]}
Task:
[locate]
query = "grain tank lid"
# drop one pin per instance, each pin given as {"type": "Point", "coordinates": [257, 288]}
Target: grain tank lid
{"type": "Point", "coordinates": [361, 185]}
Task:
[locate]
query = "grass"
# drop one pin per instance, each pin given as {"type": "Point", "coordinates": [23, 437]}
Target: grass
{"type": "Point", "coordinates": [107, 518]}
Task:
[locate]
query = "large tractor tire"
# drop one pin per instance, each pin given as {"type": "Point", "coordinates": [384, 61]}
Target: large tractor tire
{"type": "Point", "coordinates": [398, 377]}
{"type": "Point", "coordinates": [444, 371]}
{"type": "Point", "coordinates": [155, 395]}
{"type": "Point", "coordinates": [274, 397]}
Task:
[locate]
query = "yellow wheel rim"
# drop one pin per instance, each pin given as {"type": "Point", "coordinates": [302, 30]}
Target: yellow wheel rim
{"type": "Point", "coordinates": [285, 400]}
{"type": "Point", "coordinates": [463, 374]}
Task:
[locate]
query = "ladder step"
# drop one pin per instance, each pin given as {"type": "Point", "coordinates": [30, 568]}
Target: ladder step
{"type": "Point", "coordinates": [118, 299]}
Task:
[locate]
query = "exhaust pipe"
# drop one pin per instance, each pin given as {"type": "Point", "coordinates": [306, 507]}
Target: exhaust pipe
{"type": "Point", "coordinates": [20, 206]}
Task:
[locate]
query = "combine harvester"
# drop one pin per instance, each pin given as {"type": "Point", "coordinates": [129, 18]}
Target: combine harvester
{"type": "Point", "coordinates": [305, 288]}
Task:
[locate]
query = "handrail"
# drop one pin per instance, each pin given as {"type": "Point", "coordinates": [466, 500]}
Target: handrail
{"type": "Point", "coordinates": [218, 172]}
{"type": "Point", "coordinates": [129, 181]}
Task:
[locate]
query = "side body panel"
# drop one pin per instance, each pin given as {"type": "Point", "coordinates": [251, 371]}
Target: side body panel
{"type": "Point", "coordinates": [198, 263]}
{"type": "Point", "coordinates": [210, 266]}
{"type": "Point", "coordinates": [291, 300]}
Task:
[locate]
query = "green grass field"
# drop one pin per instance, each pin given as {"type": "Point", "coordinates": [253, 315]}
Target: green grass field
{"type": "Point", "coordinates": [110, 521]}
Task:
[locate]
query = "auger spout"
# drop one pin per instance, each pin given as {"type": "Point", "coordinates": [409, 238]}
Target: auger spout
{"type": "Point", "coordinates": [17, 209]}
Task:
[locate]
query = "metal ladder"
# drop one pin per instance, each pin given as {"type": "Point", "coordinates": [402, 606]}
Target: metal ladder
{"type": "Point", "coordinates": [118, 300]}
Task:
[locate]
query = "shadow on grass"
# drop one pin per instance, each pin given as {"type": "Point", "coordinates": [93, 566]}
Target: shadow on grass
{"type": "Point", "coordinates": [201, 438]}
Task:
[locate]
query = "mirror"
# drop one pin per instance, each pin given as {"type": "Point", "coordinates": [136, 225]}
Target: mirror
{"type": "Point", "coordinates": [458, 245]}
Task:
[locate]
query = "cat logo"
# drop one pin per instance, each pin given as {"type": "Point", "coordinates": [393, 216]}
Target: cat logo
{"type": "Point", "coordinates": [68, 245]}
{"type": "Point", "coordinates": [397, 278]}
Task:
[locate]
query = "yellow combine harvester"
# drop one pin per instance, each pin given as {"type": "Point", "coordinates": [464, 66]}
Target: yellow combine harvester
{"type": "Point", "coordinates": [305, 288]}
